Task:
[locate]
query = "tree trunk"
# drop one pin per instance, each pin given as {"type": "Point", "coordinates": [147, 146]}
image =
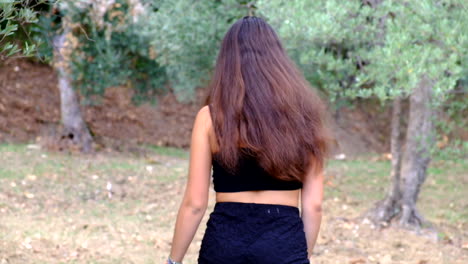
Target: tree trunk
{"type": "Point", "coordinates": [408, 172]}
{"type": "Point", "coordinates": [386, 209]}
{"type": "Point", "coordinates": [74, 127]}
{"type": "Point", "coordinates": [420, 138]}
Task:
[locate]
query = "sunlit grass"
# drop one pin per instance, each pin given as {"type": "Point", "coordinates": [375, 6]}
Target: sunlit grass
{"type": "Point", "coordinates": [359, 180]}
{"type": "Point", "coordinates": [169, 151]}
{"type": "Point", "coordinates": [12, 148]}
{"type": "Point", "coordinates": [64, 200]}
{"type": "Point", "coordinates": [364, 181]}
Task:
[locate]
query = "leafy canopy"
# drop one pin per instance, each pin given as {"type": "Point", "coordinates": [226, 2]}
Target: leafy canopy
{"type": "Point", "coordinates": [17, 21]}
{"type": "Point", "coordinates": [350, 49]}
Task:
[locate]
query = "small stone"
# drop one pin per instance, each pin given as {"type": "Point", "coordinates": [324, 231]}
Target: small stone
{"type": "Point", "coordinates": [149, 169]}
{"type": "Point", "coordinates": [387, 259]}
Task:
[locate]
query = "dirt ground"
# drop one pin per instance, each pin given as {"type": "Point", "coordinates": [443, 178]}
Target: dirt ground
{"type": "Point", "coordinates": [30, 107]}
{"type": "Point", "coordinates": [121, 208]}
{"type": "Point", "coordinates": [30, 110]}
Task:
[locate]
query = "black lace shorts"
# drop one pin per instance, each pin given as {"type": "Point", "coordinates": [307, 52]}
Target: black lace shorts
{"type": "Point", "coordinates": [254, 233]}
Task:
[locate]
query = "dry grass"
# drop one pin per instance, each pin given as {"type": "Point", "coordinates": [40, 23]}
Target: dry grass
{"type": "Point", "coordinates": [56, 208]}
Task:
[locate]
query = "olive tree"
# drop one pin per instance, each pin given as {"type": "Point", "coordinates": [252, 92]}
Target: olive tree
{"type": "Point", "coordinates": [390, 50]}
{"type": "Point", "coordinates": [186, 36]}
{"type": "Point", "coordinates": [17, 19]}
{"type": "Point", "coordinates": [144, 45]}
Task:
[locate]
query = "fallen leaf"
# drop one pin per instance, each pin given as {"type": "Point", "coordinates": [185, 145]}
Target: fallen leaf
{"type": "Point", "coordinates": [357, 261]}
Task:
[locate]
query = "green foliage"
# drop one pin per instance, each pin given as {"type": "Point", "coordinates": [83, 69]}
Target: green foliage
{"type": "Point", "coordinates": [421, 37]}
{"type": "Point", "coordinates": [354, 50]}
{"type": "Point", "coordinates": [349, 49]}
{"type": "Point", "coordinates": [457, 150]}
{"type": "Point", "coordinates": [345, 48]}
{"type": "Point", "coordinates": [320, 36]}
{"type": "Point", "coordinates": [451, 120]}
{"type": "Point", "coordinates": [18, 19]}
{"type": "Point", "coordinates": [109, 50]}
{"type": "Point", "coordinates": [186, 36]}
{"type": "Point", "coordinates": [148, 43]}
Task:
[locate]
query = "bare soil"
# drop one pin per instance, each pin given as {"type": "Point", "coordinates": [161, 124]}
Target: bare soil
{"type": "Point", "coordinates": [30, 111]}
{"type": "Point", "coordinates": [121, 208]}
{"type": "Point", "coordinates": [30, 108]}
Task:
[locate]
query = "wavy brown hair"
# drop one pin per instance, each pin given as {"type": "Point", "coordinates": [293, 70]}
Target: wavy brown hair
{"type": "Point", "coordinates": [261, 104]}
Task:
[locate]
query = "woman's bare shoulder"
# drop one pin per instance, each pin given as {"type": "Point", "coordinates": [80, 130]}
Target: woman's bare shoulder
{"type": "Point", "coordinates": [204, 116]}
{"type": "Point", "coordinates": [205, 110]}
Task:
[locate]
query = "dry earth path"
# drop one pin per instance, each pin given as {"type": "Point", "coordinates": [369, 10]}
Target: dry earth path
{"type": "Point", "coordinates": [121, 207]}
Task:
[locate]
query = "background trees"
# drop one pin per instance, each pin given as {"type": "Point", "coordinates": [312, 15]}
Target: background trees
{"type": "Point", "coordinates": [148, 46]}
{"type": "Point", "coordinates": [390, 50]}
{"type": "Point", "coordinates": [145, 44]}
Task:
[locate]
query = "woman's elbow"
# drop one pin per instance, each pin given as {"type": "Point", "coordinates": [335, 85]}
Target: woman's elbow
{"type": "Point", "coordinates": [315, 208]}
{"type": "Point", "coordinates": [196, 206]}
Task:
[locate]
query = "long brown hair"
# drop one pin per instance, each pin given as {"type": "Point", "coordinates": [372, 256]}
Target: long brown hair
{"type": "Point", "coordinates": [261, 104]}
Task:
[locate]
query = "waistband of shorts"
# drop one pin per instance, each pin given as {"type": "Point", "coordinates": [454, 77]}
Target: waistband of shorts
{"type": "Point", "coordinates": [275, 209]}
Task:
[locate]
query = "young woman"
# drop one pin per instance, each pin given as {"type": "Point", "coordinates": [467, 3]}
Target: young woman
{"type": "Point", "coordinates": [263, 132]}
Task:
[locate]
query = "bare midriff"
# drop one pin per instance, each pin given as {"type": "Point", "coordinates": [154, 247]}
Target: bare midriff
{"type": "Point", "coordinates": [290, 198]}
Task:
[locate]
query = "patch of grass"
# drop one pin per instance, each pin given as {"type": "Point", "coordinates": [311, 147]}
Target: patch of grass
{"type": "Point", "coordinates": [12, 148]}
{"type": "Point", "coordinates": [18, 165]}
{"type": "Point", "coordinates": [9, 174]}
{"type": "Point", "coordinates": [364, 182]}
{"type": "Point", "coordinates": [117, 165]}
{"type": "Point", "coordinates": [358, 180]}
{"type": "Point", "coordinates": [46, 166]}
{"type": "Point", "coordinates": [169, 151]}
{"type": "Point", "coordinates": [443, 195]}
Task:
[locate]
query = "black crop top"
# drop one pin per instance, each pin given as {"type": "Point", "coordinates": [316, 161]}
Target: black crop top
{"type": "Point", "coordinates": [249, 176]}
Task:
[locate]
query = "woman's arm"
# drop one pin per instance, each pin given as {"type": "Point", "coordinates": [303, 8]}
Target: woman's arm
{"type": "Point", "coordinates": [195, 199]}
{"type": "Point", "coordinates": [311, 200]}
